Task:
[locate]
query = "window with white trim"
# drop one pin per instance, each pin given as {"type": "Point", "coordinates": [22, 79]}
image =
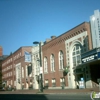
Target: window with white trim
{"type": "Point", "coordinates": [76, 55]}
{"type": "Point", "coordinates": [45, 65]}
{"type": "Point", "coordinates": [22, 72]}
{"type": "Point", "coordinates": [62, 81]}
{"type": "Point", "coordinates": [52, 62]}
{"type": "Point", "coordinates": [46, 82]}
{"type": "Point", "coordinates": [26, 71]}
{"type": "Point", "coordinates": [11, 82]}
{"type": "Point", "coordinates": [61, 60]}
{"type": "Point", "coordinates": [53, 82]}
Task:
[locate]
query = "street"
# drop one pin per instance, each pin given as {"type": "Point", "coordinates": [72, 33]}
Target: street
{"type": "Point", "coordinates": [44, 97]}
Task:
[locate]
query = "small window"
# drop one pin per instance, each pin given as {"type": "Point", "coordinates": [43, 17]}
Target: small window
{"type": "Point", "coordinates": [53, 83]}
{"type": "Point", "coordinates": [46, 83]}
{"type": "Point", "coordinates": [73, 53]}
{"type": "Point", "coordinates": [77, 47]}
{"type": "Point", "coordinates": [77, 52]}
{"type": "Point", "coordinates": [62, 81]}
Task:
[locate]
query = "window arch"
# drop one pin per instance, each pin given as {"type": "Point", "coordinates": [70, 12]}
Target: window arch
{"type": "Point", "coordinates": [45, 65]}
{"type": "Point", "coordinates": [52, 62]}
{"type": "Point", "coordinates": [76, 55]}
{"type": "Point", "coordinates": [61, 60]}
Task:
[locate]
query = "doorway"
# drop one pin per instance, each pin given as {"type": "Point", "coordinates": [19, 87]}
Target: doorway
{"type": "Point", "coordinates": [95, 74]}
{"type": "Point", "coordinates": [80, 79]}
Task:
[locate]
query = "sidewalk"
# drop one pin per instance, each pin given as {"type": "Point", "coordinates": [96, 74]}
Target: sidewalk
{"type": "Point", "coordinates": [52, 91]}
{"type": "Point", "coordinates": [70, 91]}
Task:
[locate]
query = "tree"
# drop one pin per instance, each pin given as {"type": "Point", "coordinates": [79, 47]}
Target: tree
{"type": "Point", "coordinates": [66, 70]}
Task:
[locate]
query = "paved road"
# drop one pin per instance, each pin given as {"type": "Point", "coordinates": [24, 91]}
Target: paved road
{"type": "Point", "coordinates": [43, 97]}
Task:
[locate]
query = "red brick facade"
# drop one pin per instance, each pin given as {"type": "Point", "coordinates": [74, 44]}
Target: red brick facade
{"type": "Point", "coordinates": [1, 51]}
{"type": "Point", "coordinates": [58, 43]}
{"type": "Point", "coordinates": [9, 66]}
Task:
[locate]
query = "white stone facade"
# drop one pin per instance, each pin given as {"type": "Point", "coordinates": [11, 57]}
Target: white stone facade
{"type": "Point", "coordinates": [95, 28]}
{"type": "Point", "coordinates": [35, 63]}
{"type": "Point", "coordinates": [18, 76]}
{"type": "Point", "coordinates": [69, 44]}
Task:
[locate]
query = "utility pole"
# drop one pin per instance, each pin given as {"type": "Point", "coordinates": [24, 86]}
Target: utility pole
{"type": "Point", "coordinates": [41, 78]}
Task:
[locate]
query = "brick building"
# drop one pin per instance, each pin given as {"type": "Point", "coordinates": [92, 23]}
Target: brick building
{"type": "Point", "coordinates": [0, 67]}
{"type": "Point", "coordinates": [14, 69]}
{"type": "Point", "coordinates": [2, 57]}
{"type": "Point", "coordinates": [65, 51]}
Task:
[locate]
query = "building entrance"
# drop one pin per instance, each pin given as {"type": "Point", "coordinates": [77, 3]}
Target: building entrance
{"type": "Point", "coordinates": [80, 81]}
{"type": "Point", "coordinates": [95, 74]}
{"type": "Point", "coordinates": [79, 76]}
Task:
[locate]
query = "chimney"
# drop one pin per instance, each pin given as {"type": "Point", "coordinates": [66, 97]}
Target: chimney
{"type": "Point", "coordinates": [47, 40]}
{"type": "Point", "coordinates": [53, 37]}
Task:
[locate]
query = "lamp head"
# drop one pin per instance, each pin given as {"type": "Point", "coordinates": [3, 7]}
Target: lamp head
{"type": "Point", "coordinates": [35, 42]}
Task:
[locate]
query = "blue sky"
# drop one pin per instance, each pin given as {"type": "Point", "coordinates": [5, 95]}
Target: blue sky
{"type": "Point", "coordinates": [25, 21]}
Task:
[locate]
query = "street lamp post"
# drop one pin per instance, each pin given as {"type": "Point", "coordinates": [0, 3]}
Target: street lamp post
{"type": "Point", "coordinates": [40, 74]}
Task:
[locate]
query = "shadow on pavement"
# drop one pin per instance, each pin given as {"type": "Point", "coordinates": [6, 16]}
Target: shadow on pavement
{"type": "Point", "coordinates": [22, 97]}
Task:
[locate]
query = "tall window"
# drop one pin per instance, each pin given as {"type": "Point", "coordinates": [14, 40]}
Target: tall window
{"type": "Point", "coordinates": [61, 60]}
{"type": "Point", "coordinates": [22, 72]}
{"type": "Point", "coordinates": [26, 71]}
{"type": "Point", "coordinates": [76, 55]}
{"type": "Point", "coordinates": [45, 65]}
{"type": "Point", "coordinates": [52, 62]}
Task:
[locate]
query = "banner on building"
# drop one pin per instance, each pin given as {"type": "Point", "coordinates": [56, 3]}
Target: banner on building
{"type": "Point", "coordinates": [27, 56]}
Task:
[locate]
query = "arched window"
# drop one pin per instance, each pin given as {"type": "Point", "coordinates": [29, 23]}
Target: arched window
{"type": "Point", "coordinates": [76, 55]}
{"type": "Point", "coordinates": [45, 65]}
{"type": "Point", "coordinates": [61, 60]}
{"type": "Point", "coordinates": [52, 62]}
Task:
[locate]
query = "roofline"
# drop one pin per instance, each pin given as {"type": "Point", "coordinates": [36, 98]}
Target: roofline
{"type": "Point", "coordinates": [67, 32]}
{"type": "Point", "coordinates": [72, 28]}
{"type": "Point", "coordinates": [20, 48]}
{"type": "Point", "coordinates": [17, 50]}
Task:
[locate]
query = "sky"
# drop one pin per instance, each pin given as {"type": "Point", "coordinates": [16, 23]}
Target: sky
{"type": "Point", "coordinates": [24, 21]}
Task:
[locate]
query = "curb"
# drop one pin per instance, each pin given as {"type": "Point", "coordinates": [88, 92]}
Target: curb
{"type": "Point", "coordinates": [45, 93]}
{"type": "Point", "coordinates": [67, 93]}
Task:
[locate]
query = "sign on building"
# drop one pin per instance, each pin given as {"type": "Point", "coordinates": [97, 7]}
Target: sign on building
{"type": "Point", "coordinates": [90, 56]}
{"type": "Point", "coordinates": [27, 56]}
